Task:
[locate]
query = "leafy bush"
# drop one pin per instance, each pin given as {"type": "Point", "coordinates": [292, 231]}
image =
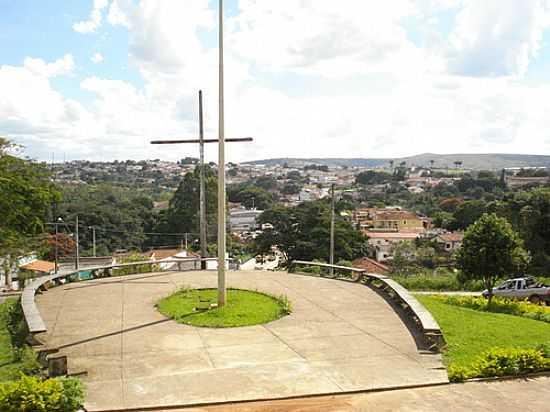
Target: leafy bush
{"type": "Point", "coordinates": [15, 322]}
{"type": "Point", "coordinates": [33, 394]}
{"type": "Point", "coordinates": [500, 305]}
{"type": "Point", "coordinates": [15, 355]}
{"type": "Point", "coordinates": [286, 304]}
{"type": "Point", "coordinates": [437, 281]}
{"type": "Point", "coordinates": [503, 362]}
{"type": "Point", "coordinates": [309, 269]}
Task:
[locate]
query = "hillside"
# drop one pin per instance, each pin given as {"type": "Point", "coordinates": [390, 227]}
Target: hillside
{"type": "Point", "coordinates": [469, 161]}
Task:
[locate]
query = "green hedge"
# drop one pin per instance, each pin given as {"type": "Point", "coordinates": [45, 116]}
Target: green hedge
{"type": "Point", "coordinates": [437, 282]}
{"type": "Point", "coordinates": [32, 394]}
{"type": "Point", "coordinates": [503, 362]}
{"type": "Point", "coordinates": [16, 356]}
{"type": "Point", "coordinates": [500, 305]}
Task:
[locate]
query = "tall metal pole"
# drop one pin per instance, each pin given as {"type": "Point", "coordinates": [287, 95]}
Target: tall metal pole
{"type": "Point", "coordinates": [77, 257]}
{"type": "Point", "coordinates": [93, 241]}
{"type": "Point", "coordinates": [332, 229]}
{"type": "Point", "coordinates": [202, 201]}
{"type": "Point", "coordinates": [221, 172]}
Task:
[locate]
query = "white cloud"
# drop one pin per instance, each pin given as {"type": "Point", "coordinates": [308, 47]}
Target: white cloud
{"type": "Point", "coordinates": [95, 20]}
{"type": "Point", "coordinates": [60, 67]}
{"type": "Point", "coordinates": [497, 37]}
{"type": "Point", "coordinates": [97, 58]}
{"type": "Point", "coordinates": [324, 37]}
{"type": "Point", "coordinates": [304, 78]}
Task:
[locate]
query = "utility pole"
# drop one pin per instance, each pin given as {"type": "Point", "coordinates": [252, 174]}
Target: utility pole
{"type": "Point", "coordinates": [332, 229]}
{"type": "Point", "coordinates": [221, 172]}
{"type": "Point", "coordinates": [77, 256]}
{"type": "Point", "coordinates": [202, 201]}
{"type": "Point", "coordinates": [93, 241]}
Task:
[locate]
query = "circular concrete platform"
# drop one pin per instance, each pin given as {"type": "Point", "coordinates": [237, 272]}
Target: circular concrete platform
{"type": "Point", "coordinates": [340, 337]}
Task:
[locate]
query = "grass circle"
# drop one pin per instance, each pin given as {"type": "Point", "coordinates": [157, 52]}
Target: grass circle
{"type": "Point", "coordinates": [243, 308]}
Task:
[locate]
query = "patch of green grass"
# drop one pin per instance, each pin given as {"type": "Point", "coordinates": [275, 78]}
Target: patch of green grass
{"type": "Point", "coordinates": [470, 333]}
{"type": "Point", "coordinates": [15, 356]}
{"type": "Point", "coordinates": [243, 308]}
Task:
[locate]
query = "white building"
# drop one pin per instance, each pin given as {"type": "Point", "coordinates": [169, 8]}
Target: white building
{"type": "Point", "coordinates": [243, 220]}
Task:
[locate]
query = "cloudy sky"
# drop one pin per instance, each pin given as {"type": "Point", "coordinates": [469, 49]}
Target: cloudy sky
{"type": "Point", "coordinates": [99, 79]}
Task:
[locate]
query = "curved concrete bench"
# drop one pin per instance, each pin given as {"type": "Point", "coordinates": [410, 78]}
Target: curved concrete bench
{"type": "Point", "coordinates": [34, 320]}
{"type": "Point", "coordinates": [424, 320]}
{"type": "Point", "coordinates": [420, 315]}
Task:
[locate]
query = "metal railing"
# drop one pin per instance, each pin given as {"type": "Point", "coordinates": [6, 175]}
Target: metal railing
{"type": "Point", "coordinates": [324, 269]}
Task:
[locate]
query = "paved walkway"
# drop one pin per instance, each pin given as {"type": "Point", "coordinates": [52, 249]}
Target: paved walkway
{"type": "Point", "coordinates": [341, 337]}
{"type": "Point", "coordinates": [502, 396]}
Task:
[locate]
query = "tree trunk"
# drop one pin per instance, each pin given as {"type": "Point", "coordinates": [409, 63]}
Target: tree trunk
{"type": "Point", "coordinates": [489, 284]}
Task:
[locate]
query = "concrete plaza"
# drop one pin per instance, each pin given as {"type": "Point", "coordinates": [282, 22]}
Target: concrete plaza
{"type": "Point", "coordinates": [341, 337]}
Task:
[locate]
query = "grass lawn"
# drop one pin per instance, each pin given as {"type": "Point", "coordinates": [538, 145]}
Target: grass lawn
{"type": "Point", "coordinates": [13, 360]}
{"type": "Point", "coordinates": [243, 308]}
{"type": "Point", "coordinates": [469, 333]}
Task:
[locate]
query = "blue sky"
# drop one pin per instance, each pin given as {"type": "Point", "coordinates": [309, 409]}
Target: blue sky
{"type": "Point", "coordinates": [311, 78]}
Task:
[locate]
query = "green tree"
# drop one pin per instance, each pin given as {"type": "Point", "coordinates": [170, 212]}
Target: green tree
{"type": "Point", "coordinates": [250, 196]}
{"type": "Point", "coordinates": [467, 213]}
{"type": "Point", "coordinates": [371, 177]}
{"type": "Point", "coordinates": [182, 215]}
{"type": "Point", "coordinates": [491, 250]}
{"type": "Point", "coordinates": [26, 197]}
{"type": "Point", "coordinates": [302, 232]}
{"type": "Point", "coordinates": [404, 256]}
{"type": "Point", "coordinates": [120, 216]}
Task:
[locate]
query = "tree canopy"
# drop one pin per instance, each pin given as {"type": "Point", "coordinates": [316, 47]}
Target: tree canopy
{"type": "Point", "coordinates": [303, 232]}
{"type": "Point", "coordinates": [491, 250]}
{"type": "Point", "coordinates": [26, 197]}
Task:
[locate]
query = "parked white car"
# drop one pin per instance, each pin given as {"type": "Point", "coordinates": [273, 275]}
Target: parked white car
{"type": "Point", "coordinates": [522, 288]}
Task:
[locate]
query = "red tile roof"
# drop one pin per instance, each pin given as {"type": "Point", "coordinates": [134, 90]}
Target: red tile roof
{"type": "Point", "coordinates": [42, 266]}
{"type": "Point", "coordinates": [371, 266]}
{"type": "Point", "coordinates": [452, 237]}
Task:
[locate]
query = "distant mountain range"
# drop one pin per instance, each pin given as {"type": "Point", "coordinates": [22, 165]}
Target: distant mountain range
{"type": "Point", "coordinates": [469, 161]}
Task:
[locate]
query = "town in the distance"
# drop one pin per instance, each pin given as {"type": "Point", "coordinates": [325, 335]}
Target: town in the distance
{"type": "Point", "coordinates": [419, 206]}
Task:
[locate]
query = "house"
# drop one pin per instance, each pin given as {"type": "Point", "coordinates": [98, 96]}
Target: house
{"type": "Point", "coordinates": [514, 182]}
{"type": "Point", "coordinates": [243, 220]}
{"type": "Point", "coordinates": [450, 242]}
{"type": "Point", "coordinates": [387, 220]}
{"type": "Point", "coordinates": [371, 266]}
{"type": "Point", "coordinates": [39, 267]}
{"type": "Point", "coordinates": [398, 220]}
{"type": "Point", "coordinates": [25, 267]}
{"type": "Point", "coordinates": [382, 243]}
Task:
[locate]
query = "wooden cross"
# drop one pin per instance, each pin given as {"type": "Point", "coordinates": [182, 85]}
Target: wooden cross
{"type": "Point", "coordinates": [202, 203]}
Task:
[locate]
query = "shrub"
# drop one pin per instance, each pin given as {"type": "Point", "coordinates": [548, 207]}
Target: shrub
{"type": "Point", "coordinates": [503, 362]}
{"type": "Point", "coordinates": [286, 304]}
{"type": "Point", "coordinates": [15, 323]}
{"type": "Point", "coordinates": [438, 280]}
{"type": "Point", "coordinates": [500, 305]}
{"type": "Point", "coordinates": [310, 269]}
{"type": "Point", "coordinates": [18, 356]}
{"type": "Point", "coordinates": [33, 394]}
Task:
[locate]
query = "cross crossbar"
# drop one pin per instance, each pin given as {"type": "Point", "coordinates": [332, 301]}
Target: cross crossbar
{"type": "Point", "coordinates": [234, 139]}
